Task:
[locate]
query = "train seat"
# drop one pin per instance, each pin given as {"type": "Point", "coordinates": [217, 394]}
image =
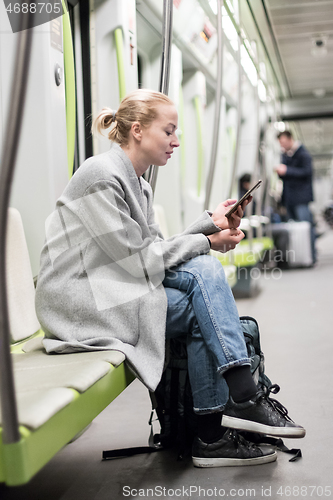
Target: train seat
{"type": "Point", "coordinates": [58, 395]}
{"type": "Point", "coordinates": [244, 255]}
{"type": "Point", "coordinates": [42, 381]}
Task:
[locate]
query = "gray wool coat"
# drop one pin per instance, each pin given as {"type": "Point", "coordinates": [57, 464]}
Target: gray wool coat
{"type": "Point", "coordinates": [103, 263]}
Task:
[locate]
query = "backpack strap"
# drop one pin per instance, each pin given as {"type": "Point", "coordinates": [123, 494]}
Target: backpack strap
{"type": "Point", "coordinates": [278, 443]}
{"type": "Point", "coordinates": [174, 394]}
{"type": "Point", "coordinates": [129, 452]}
{"type": "Point", "coordinates": [137, 450]}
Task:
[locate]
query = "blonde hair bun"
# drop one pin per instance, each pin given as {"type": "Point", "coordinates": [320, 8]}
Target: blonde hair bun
{"type": "Point", "coordinates": [104, 120]}
{"type": "Point", "coordinates": [138, 106]}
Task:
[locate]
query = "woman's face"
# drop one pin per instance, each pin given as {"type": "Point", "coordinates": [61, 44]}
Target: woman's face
{"type": "Point", "coordinates": [159, 139]}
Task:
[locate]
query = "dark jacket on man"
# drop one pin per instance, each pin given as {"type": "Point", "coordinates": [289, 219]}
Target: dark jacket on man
{"type": "Point", "coordinates": [297, 182]}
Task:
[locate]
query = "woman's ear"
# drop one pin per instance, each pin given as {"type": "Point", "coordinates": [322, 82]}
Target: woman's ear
{"type": "Point", "coordinates": [136, 130]}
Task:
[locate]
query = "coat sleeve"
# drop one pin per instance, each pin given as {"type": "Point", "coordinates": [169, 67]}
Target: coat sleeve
{"type": "Point", "coordinates": [106, 216]}
{"type": "Point", "coordinates": [302, 167]}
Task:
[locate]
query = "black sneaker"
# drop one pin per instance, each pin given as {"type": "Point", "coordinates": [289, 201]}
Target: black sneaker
{"type": "Point", "coordinates": [231, 450]}
{"type": "Point", "coordinates": [262, 414]}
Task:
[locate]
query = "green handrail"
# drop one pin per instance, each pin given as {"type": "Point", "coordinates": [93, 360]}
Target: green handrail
{"type": "Point", "coordinates": [200, 152]}
{"type": "Point", "coordinates": [69, 71]}
{"type": "Point", "coordinates": [118, 35]}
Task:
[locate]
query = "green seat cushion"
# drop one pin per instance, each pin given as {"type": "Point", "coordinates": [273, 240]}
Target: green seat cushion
{"type": "Point", "coordinates": [244, 255]}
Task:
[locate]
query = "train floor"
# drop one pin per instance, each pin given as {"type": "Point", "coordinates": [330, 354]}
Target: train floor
{"type": "Point", "coordinates": [295, 315]}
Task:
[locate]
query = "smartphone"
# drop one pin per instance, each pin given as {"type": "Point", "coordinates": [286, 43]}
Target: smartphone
{"type": "Point", "coordinates": [243, 198]}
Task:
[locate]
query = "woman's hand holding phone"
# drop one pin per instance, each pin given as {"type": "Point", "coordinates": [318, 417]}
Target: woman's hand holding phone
{"type": "Point", "coordinates": [234, 220]}
{"type": "Point", "coordinates": [229, 213]}
{"type": "Point", "coordinates": [230, 236]}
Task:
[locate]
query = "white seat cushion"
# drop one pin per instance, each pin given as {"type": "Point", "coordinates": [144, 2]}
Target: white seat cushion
{"type": "Point", "coordinates": [37, 407]}
{"type": "Point", "coordinates": [43, 382]}
{"type": "Point", "coordinates": [79, 371]}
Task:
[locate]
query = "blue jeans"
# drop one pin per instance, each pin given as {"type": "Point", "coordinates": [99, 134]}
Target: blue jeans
{"type": "Point", "coordinates": [303, 213]}
{"type": "Point", "coordinates": [201, 307]}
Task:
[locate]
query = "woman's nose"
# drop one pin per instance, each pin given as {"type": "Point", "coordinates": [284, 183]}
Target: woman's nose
{"type": "Point", "coordinates": [175, 142]}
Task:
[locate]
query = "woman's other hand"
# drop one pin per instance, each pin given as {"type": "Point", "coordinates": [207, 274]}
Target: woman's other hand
{"type": "Point", "coordinates": [234, 220]}
{"type": "Point", "coordinates": [225, 240]}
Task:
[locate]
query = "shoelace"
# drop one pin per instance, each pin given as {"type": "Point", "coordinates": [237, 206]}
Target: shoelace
{"type": "Point", "coordinates": [274, 389]}
{"type": "Point", "coordinates": [240, 440]}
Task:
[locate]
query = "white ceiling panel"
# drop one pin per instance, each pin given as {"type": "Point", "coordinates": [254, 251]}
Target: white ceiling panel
{"type": "Point", "coordinates": [278, 4]}
{"type": "Point", "coordinates": [290, 29]}
{"type": "Point", "coordinates": [296, 27]}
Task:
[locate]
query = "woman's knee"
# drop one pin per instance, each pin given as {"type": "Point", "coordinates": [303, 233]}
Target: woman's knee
{"type": "Point", "coordinates": [207, 266]}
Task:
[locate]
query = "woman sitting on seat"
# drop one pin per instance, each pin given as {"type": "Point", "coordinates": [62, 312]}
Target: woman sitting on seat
{"type": "Point", "coordinates": [109, 280]}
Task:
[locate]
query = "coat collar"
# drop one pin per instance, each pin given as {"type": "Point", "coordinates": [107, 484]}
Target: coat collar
{"type": "Point", "coordinates": [134, 181]}
{"type": "Point", "coordinates": [293, 150]}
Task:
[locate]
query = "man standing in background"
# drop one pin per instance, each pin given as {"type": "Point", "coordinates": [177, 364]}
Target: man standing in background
{"type": "Point", "coordinates": [296, 172]}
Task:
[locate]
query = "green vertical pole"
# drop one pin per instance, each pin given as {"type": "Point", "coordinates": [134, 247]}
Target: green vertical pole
{"type": "Point", "coordinates": [69, 88]}
{"type": "Point", "coordinates": [118, 35]}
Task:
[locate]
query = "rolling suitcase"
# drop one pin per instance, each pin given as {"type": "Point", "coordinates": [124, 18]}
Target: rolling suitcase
{"type": "Point", "coordinates": [298, 243]}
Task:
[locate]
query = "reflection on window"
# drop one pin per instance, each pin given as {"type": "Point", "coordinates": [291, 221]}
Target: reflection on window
{"type": "Point", "coordinates": [262, 91]}
{"type": "Point", "coordinates": [229, 29]}
{"type": "Point", "coordinates": [248, 66]}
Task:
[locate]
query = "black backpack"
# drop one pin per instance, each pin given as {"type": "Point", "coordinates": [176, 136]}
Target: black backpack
{"type": "Point", "coordinates": [173, 403]}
